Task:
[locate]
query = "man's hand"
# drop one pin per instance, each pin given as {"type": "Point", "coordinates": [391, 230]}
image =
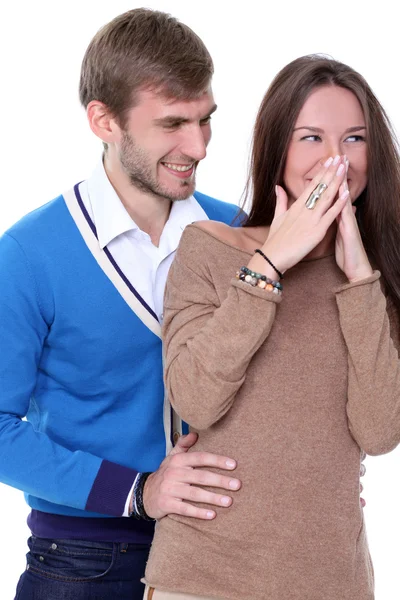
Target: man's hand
{"type": "Point", "coordinates": [171, 488]}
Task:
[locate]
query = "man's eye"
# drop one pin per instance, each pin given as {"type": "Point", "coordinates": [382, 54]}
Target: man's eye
{"type": "Point", "coordinates": [205, 121]}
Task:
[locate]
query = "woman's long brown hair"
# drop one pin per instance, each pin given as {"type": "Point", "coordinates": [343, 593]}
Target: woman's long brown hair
{"type": "Point", "coordinates": [378, 207]}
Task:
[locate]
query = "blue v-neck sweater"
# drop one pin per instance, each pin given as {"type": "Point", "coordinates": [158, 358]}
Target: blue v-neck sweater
{"type": "Point", "coordinates": [80, 364]}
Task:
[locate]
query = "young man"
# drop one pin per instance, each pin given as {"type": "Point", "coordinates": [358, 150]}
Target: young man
{"type": "Point", "coordinates": [82, 282]}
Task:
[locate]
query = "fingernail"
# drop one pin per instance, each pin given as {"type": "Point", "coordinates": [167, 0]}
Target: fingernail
{"type": "Point", "coordinates": [230, 464]}
{"type": "Point", "coordinates": [210, 514]}
{"type": "Point", "coordinates": [225, 500]}
{"type": "Point", "coordinates": [276, 190]}
{"type": "Point", "coordinates": [234, 484]}
{"type": "Point", "coordinates": [336, 159]}
{"type": "Point", "coordinates": [340, 170]}
{"type": "Point", "coordinates": [345, 195]}
{"type": "Point", "coordinates": [328, 162]}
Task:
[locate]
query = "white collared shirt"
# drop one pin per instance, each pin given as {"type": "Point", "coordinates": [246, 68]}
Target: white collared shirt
{"type": "Point", "coordinates": [145, 265]}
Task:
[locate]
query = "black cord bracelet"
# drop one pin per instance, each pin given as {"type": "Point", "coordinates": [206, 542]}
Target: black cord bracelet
{"type": "Point", "coordinates": [268, 261]}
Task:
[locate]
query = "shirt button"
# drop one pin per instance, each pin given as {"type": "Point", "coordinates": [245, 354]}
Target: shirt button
{"type": "Point", "coordinates": [54, 546]}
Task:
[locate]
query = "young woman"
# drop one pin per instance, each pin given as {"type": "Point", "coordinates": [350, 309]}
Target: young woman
{"type": "Point", "coordinates": [291, 366]}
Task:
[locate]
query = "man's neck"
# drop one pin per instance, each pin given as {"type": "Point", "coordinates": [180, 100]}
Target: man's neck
{"type": "Point", "coordinates": [149, 212]}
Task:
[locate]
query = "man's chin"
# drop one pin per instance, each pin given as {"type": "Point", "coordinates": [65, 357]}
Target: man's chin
{"type": "Point", "coordinates": [183, 192]}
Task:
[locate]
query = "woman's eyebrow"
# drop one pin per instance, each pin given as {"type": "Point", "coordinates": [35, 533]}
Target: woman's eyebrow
{"type": "Point", "coordinates": [318, 130]}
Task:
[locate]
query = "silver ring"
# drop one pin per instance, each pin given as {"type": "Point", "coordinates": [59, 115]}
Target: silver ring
{"type": "Point", "coordinates": [315, 195]}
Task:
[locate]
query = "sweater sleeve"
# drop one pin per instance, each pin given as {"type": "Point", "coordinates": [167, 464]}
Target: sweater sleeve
{"type": "Point", "coordinates": [29, 459]}
{"type": "Point", "coordinates": [208, 343]}
{"type": "Point", "coordinates": [373, 405]}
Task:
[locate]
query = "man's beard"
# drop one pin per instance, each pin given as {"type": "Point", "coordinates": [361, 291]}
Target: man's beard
{"type": "Point", "coordinates": [137, 166]}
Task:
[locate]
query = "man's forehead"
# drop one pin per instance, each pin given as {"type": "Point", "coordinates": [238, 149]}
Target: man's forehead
{"type": "Point", "coordinates": [163, 105]}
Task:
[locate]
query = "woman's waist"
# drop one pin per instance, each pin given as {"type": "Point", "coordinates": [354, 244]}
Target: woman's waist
{"type": "Point", "coordinates": [267, 554]}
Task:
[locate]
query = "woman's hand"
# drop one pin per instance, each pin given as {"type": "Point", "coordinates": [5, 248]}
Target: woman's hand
{"type": "Point", "coordinates": [349, 249]}
{"type": "Point", "coordinates": [297, 230]}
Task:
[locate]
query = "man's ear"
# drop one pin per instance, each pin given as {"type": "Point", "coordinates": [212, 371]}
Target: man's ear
{"type": "Point", "coordinates": [102, 122]}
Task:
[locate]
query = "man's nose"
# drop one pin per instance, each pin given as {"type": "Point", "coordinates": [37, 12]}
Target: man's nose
{"type": "Point", "coordinates": [194, 144]}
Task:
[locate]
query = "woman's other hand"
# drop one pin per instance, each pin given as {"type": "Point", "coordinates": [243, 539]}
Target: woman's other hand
{"type": "Point", "coordinates": [350, 253]}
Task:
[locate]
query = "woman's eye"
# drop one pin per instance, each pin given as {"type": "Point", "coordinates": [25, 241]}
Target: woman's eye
{"type": "Point", "coordinates": [355, 138]}
{"type": "Point", "coordinates": [311, 138]}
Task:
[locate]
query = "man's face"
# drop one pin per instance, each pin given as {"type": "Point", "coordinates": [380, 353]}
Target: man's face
{"type": "Point", "coordinates": [163, 141]}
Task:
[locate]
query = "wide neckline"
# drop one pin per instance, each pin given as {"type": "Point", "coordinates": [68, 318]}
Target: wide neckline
{"type": "Point", "coordinates": [249, 252]}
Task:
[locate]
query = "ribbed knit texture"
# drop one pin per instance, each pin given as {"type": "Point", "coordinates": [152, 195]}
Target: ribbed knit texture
{"type": "Point", "coordinates": [294, 390]}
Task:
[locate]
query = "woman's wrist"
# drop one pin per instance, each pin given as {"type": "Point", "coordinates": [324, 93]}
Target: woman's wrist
{"type": "Point", "coordinates": [360, 275]}
{"type": "Point", "coordinates": [263, 262]}
{"type": "Point", "coordinates": [259, 265]}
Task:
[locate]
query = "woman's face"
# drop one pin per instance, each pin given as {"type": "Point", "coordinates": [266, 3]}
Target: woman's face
{"type": "Point", "coordinates": [330, 122]}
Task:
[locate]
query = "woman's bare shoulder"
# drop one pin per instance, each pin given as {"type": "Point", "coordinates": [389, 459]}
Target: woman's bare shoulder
{"type": "Point", "coordinates": [233, 236]}
{"type": "Point", "coordinates": [243, 238]}
{"type": "Point", "coordinates": [221, 231]}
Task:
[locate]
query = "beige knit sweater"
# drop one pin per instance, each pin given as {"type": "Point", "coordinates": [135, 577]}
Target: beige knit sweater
{"type": "Point", "coordinates": [292, 388]}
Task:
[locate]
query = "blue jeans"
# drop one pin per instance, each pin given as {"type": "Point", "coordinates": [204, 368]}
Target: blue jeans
{"type": "Point", "coordinates": [82, 570]}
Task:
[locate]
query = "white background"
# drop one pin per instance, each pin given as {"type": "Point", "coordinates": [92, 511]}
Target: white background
{"type": "Point", "coordinates": [46, 146]}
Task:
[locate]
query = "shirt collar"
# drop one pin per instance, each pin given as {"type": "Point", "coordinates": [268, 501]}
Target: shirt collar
{"type": "Point", "coordinates": [109, 214]}
{"type": "Point", "coordinates": [112, 219]}
{"type": "Point", "coordinates": [183, 212]}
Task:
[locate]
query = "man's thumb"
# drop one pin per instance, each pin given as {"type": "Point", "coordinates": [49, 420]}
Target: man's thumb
{"type": "Point", "coordinates": [184, 443]}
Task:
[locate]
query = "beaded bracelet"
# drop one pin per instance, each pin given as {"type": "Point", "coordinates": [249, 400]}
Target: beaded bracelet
{"type": "Point", "coordinates": [138, 511]}
{"type": "Point", "coordinates": [258, 280]}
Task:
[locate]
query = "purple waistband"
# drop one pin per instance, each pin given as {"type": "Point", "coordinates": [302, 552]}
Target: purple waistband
{"type": "Point", "coordinates": [113, 529]}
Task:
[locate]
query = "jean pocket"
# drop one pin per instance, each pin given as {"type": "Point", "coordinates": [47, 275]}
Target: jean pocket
{"type": "Point", "coordinates": [65, 560]}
